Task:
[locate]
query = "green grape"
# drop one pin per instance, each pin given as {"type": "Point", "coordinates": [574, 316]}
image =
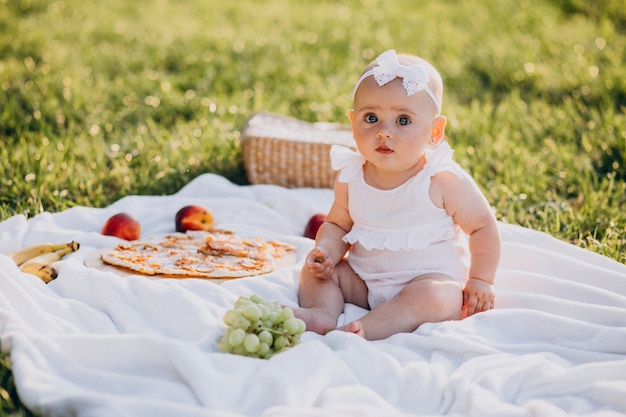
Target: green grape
{"type": "Point", "coordinates": [236, 337]}
{"type": "Point", "coordinates": [285, 314]}
{"type": "Point", "coordinates": [280, 343]}
{"type": "Point", "coordinates": [273, 317]}
{"type": "Point", "coordinates": [255, 326]}
{"type": "Point", "coordinates": [255, 298]}
{"type": "Point", "coordinates": [228, 318]}
{"type": "Point", "coordinates": [274, 305]}
{"type": "Point", "coordinates": [224, 345]}
{"type": "Point", "coordinates": [251, 342]}
{"type": "Point", "coordinates": [241, 323]}
{"type": "Point", "coordinates": [240, 350]}
{"type": "Point", "coordinates": [264, 350]}
{"type": "Point", "coordinates": [241, 301]}
{"type": "Point", "coordinates": [292, 326]}
{"type": "Point", "coordinates": [302, 326]}
{"type": "Point", "coordinates": [266, 337]}
{"type": "Point", "coordinates": [252, 312]}
{"type": "Point", "coordinates": [265, 311]}
{"type": "Point", "coordinates": [227, 333]}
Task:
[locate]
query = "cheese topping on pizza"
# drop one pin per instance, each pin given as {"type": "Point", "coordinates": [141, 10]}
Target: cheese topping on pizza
{"type": "Point", "coordinates": [214, 254]}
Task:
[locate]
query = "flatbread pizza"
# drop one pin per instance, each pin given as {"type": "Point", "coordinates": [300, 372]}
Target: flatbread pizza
{"type": "Point", "coordinates": [204, 254]}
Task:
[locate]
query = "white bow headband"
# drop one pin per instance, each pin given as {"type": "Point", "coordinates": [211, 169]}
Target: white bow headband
{"type": "Point", "coordinates": [414, 77]}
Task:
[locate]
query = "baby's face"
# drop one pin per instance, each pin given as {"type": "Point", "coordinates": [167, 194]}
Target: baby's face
{"type": "Point", "coordinates": [391, 129]}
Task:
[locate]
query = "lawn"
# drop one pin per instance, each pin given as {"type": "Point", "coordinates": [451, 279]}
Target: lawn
{"type": "Point", "coordinates": [104, 99]}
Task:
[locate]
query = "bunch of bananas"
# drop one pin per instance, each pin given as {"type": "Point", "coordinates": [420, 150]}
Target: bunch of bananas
{"type": "Point", "coordinates": [37, 259]}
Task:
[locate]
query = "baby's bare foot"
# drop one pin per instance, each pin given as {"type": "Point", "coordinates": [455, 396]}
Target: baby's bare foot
{"type": "Point", "coordinates": [353, 327]}
{"type": "Point", "coordinates": [316, 320]}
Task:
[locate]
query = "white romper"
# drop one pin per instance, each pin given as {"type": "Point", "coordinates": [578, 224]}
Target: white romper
{"type": "Point", "coordinates": [399, 234]}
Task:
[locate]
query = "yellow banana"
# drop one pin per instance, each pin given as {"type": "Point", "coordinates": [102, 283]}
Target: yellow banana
{"type": "Point", "coordinates": [41, 265]}
{"type": "Point", "coordinates": [22, 255]}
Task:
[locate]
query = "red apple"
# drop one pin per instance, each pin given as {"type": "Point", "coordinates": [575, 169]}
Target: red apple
{"type": "Point", "coordinates": [314, 224]}
{"type": "Point", "coordinates": [194, 218]}
{"type": "Point", "coordinates": [122, 225]}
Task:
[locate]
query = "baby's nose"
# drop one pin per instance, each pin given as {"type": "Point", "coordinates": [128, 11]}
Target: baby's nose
{"type": "Point", "coordinates": [384, 132]}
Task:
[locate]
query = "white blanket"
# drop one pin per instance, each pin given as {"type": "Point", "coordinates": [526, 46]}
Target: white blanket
{"type": "Point", "coordinates": [94, 343]}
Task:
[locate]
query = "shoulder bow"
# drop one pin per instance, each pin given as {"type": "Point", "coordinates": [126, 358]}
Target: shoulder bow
{"type": "Point", "coordinates": [346, 160]}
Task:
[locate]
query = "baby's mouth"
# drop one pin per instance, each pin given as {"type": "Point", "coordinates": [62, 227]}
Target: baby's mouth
{"type": "Point", "coordinates": [384, 149]}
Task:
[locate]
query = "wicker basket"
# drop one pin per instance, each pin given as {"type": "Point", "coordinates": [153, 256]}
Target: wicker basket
{"type": "Point", "coordinates": [289, 152]}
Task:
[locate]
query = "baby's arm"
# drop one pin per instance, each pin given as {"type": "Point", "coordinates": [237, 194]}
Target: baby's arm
{"type": "Point", "coordinates": [463, 200]}
{"type": "Point", "coordinates": [329, 247]}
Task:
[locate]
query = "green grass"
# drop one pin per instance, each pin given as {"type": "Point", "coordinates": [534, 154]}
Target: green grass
{"type": "Point", "coordinates": [100, 100]}
{"type": "Point", "coordinates": [10, 404]}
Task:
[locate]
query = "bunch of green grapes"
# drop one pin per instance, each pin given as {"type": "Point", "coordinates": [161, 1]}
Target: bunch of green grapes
{"type": "Point", "coordinates": [259, 328]}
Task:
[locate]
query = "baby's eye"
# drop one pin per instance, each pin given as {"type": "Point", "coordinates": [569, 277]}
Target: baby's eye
{"type": "Point", "coordinates": [371, 118]}
{"type": "Point", "coordinates": [403, 121]}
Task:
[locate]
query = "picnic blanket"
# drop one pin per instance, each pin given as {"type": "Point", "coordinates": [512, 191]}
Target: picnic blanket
{"type": "Point", "coordinates": [96, 343]}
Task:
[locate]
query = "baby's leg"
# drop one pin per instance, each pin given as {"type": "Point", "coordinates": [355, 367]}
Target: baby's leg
{"type": "Point", "coordinates": [429, 298]}
{"type": "Point", "coordinates": [322, 300]}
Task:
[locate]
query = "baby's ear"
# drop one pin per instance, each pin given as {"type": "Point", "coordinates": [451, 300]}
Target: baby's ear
{"type": "Point", "coordinates": [439, 126]}
{"type": "Point", "coordinates": [351, 116]}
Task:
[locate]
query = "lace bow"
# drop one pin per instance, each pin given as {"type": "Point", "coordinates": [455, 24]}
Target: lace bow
{"type": "Point", "coordinates": [414, 77]}
{"type": "Point", "coordinates": [346, 160]}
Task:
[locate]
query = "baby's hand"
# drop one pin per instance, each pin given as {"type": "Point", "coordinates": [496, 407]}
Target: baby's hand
{"type": "Point", "coordinates": [478, 295]}
{"type": "Point", "coordinates": [319, 263]}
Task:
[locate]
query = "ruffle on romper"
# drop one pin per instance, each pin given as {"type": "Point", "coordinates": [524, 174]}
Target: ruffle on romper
{"type": "Point", "coordinates": [415, 238]}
